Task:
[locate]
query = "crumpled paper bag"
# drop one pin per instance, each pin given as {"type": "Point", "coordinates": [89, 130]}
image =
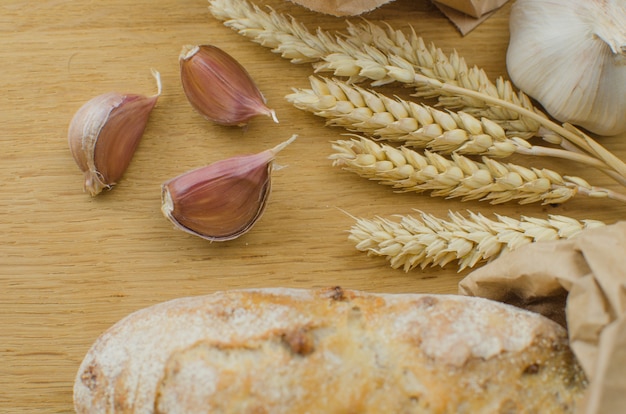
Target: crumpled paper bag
{"type": "Point", "coordinates": [466, 15]}
{"type": "Point", "coordinates": [474, 8]}
{"type": "Point", "coordinates": [580, 282]}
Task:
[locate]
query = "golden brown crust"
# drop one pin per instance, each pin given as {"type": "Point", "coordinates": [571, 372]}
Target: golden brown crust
{"type": "Point", "coordinates": [334, 350]}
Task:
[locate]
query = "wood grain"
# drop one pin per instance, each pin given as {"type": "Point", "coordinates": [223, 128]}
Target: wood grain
{"type": "Point", "coordinates": [70, 265]}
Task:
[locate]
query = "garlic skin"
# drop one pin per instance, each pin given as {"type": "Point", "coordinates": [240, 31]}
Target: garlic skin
{"type": "Point", "coordinates": [104, 134]}
{"type": "Point", "coordinates": [223, 200]}
{"type": "Point", "coordinates": [219, 87]}
{"type": "Point", "coordinates": [570, 55]}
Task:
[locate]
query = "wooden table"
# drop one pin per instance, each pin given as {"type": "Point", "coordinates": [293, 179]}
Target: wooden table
{"type": "Point", "coordinates": [71, 265]}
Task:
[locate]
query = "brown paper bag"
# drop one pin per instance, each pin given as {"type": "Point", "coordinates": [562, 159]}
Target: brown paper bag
{"type": "Point", "coordinates": [580, 282]}
{"type": "Point", "coordinates": [466, 15]}
{"type": "Point", "coordinates": [474, 8]}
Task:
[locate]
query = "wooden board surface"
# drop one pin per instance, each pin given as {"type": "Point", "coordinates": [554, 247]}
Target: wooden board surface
{"type": "Point", "coordinates": [70, 265]}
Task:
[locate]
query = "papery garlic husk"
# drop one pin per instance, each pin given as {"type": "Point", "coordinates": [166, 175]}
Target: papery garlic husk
{"type": "Point", "coordinates": [104, 134]}
{"type": "Point", "coordinates": [219, 87]}
{"type": "Point", "coordinates": [223, 200]}
{"type": "Point", "coordinates": [570, 55]}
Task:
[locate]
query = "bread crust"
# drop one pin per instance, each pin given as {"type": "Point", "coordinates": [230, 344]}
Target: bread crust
{"type": "Point", "coordinates": [329, 351]}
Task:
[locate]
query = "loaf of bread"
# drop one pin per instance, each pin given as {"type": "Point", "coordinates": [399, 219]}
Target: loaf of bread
{"type": "Point", "coordinates": [330, 351]}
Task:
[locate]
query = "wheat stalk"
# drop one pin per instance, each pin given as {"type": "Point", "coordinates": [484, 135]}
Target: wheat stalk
{"type": "Point", "coordinates": [408, 171]}
{"type": "Point", "coordinates": [415, 125]}
{"type": "Point", "coordinates": [370, 52]}
{"type": "Point", "coordinates": [429, 241]}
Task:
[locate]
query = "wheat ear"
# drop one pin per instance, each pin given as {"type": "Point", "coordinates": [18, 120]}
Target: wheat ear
{"type": "Point", "coordinates": [408, 171]}
{"type": "Point", "coordinates": [396, 120]}
{"type": "Point", "coordinates": [284, 35]}
{"type": "Point", "coordinates": [411, 242]}
{"type": "Point", "coordinates": [415, 125]}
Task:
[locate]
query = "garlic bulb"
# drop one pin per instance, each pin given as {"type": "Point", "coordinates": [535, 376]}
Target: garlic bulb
{"type": "Point", "coordinates": [223, 200]}
{"type": "Point", "coordinates": [219, 87]}
{"type": "Point", "coordinates": [570, 55]}
{"type": "Point", "coordinates": [104, 134]}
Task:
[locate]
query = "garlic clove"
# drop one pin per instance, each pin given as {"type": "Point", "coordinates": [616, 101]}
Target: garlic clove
{"type": "Point", "coordinates": [104, 134]}
{"type": "Point", "coordinates": [223, 200]}
{"type": "Point", "coordinates": [219, 87]}
{"type": "Point", "coordinates": [570, 55]}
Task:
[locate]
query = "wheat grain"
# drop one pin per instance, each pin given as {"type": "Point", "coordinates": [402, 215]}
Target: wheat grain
{"type": "Point", "coordinates": [410, 242]}
{"type": "Point", "coordinates": [459, 177]}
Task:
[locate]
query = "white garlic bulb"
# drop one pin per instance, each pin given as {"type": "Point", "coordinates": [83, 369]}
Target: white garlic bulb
{"type": "Point", "coordinates": [570, 55]}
